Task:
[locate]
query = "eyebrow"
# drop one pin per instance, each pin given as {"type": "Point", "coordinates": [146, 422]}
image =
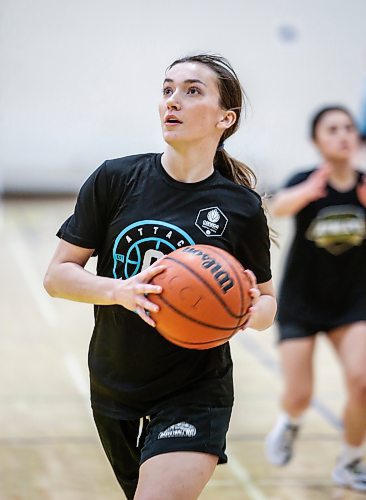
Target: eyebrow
{"type": "Point", "coordinates": [190, 80]}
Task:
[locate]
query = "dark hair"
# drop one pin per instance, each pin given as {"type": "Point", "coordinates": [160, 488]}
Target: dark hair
{"type": "Point", "coordinates": [323, 111]}
{"type": "Point", "coordinates": [232, 97]}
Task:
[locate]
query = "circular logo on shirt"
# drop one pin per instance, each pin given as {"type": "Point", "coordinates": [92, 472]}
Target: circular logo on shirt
{"type": "Point", "coordinates": [144, 242]}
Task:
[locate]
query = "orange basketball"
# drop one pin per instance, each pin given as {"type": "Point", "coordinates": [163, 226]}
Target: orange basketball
{"type": "Point", "coordinates": [205, 297]}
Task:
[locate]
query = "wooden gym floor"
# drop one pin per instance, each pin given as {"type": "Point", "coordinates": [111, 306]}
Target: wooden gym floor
{"type": "Point", "coordinates": [48, 444]}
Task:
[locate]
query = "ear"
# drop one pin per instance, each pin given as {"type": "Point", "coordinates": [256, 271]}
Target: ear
{"type": "Point", "coordinates": [227, 120]}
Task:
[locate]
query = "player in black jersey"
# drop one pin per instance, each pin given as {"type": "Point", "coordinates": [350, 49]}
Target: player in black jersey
{"type": "Point", "coordinates": [162, 411]}
{"type": "Point", "coordinates": [324, 289]}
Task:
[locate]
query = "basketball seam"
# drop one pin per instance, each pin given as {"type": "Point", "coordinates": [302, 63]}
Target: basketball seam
{"type": "Point", "coordinates": [223, 328]}
{"type": "Point", "coordinates": [207, 342]}
{"type": "Point", "coordinates": [213, 291]}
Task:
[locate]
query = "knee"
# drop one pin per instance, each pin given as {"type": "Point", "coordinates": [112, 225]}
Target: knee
{"type": "Point", "coordinates": [357, 385]}
{"type": "Point", "coordinates": [300, 399]}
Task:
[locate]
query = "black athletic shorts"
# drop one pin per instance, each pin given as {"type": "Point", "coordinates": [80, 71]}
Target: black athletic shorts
{"type": "Point", "coordinates": [129, 443]}
{"type": "Point", "coordinates": [287, 331]}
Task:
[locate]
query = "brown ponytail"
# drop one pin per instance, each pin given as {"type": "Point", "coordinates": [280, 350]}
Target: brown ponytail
{"type": "Point", "coordinates": [234, 169]}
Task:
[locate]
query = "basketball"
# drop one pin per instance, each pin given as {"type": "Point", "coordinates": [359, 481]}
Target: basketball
{"type": "Point", "coordinates": [205, 297]}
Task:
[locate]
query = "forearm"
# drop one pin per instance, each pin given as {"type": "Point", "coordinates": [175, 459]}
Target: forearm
{"type": "Point", "coordinates": [72, 282]}
{"type": "Point", "coordinates": [264, 312]}
{"type": "Point", "coordinates": [290, 201]}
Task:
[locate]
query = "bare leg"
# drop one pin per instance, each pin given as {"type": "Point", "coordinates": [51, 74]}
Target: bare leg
{"type": "Point", "coordinates": [175, 476]}
{"type": "Point", "coordinates": [297, 365]}
{"type": "Point", "coordinates": [350, 344]}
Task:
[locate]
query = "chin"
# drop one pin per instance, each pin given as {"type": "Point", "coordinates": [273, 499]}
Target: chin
{"type": "Point", "coordinates": [170, 141]}
{"type": "Point", "coordinates": [173, 141]}
{"type": "Point", "coordinates": [343, 156]}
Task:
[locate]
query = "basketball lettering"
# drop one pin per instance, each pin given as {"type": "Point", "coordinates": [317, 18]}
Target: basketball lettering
{"type": "Point", "coordinates": [207, 263]}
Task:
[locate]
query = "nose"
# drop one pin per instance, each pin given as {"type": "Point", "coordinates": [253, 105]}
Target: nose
{"type": "Point", "coordinates": [173, 102]}
{"type": "Point", "coordinates": [344, 134]}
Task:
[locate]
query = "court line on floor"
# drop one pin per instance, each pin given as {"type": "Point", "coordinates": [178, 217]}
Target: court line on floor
{"type": "Point", "coordinates": [272, 365]}
{"type": "Point", "coordinates": [80, 380]}
{"type": "Point", "coordinates": [32, 279]}
{"type": "Point", "coordinates": [77, 375]}
{"type": "Point", "coordinates": [46, 308]}
{"type": "Point", "coordinates": [243, 477]}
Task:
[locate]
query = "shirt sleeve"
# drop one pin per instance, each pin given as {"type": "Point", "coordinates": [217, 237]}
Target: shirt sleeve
{"type": "Point", "coordinates": [255, 246]}
{"type": "Point", "coordinates": [86, 226]}
{"type": "Point", "coordinates": [298, 178]}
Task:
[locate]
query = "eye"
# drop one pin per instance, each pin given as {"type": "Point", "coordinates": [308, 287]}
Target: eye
{"type": "Point", "coordinates": [167, 90]}
{"type": "Point", "coordinates": [193, 90]}
{"type": "Point", "coordinates": [350, 128]}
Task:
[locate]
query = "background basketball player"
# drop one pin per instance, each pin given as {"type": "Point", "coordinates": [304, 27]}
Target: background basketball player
{"type": "Point", "coordinates": [157, 404]}
{"type": "Point", "coordinates": [324, 289]}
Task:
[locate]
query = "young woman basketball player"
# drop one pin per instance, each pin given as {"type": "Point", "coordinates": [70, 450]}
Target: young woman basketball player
{"type": "Point", "coordinates": [162, 411]}
{"type": "Point", "coordinates": [324, 289]}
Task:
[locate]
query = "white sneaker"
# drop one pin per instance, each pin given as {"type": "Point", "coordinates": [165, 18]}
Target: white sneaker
{"type": "Point", "coordinates": [352, 475]}
{"type": "Point", "coordinates": [279, 443]}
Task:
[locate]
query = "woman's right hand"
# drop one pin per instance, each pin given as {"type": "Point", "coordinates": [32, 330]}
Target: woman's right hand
{"type": "Point", "coordinates": [291, 200]}
{"type": "Point", "coordinates": [316, 183]}
{"type": "Point", "coordinates": [131, 293]}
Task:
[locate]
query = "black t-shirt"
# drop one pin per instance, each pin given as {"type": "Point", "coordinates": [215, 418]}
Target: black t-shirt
{"type": "Point", "coordinates": [132, 212]}
{"type": "Point", "coordinates": [324, 281]}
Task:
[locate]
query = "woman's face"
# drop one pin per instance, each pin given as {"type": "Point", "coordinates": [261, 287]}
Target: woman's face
{"type": "Point", "coordinates": [189, 109]}
{"type": "Point", "coordinates": [336, 136]}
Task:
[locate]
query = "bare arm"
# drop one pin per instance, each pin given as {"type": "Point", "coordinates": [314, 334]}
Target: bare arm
{"type": "Point", "coordinates": [291, 200]}
{"type": "Point", "coordinates": [264, 307]}
{"type": "Point", "coordinates": [66, 278]}
{"type": "Point", "coordinates": [361, 191]}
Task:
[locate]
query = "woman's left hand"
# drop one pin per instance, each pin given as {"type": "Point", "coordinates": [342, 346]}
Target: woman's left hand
{"type": "Point", "coordinates": [262, 310]}
{"type": "Point", "coordinates": [254, 294]}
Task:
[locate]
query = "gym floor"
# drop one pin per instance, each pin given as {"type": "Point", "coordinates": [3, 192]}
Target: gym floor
{"type": "Point", "coordinates": [49, 448]}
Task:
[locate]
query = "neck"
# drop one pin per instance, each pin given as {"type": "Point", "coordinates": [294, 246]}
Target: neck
{"type": "Point", "coordinates": [343, 175]}
{"type": "Point", "coordinates": [341, 165]}
{"type": "Point", "coordinates": [188, 164]}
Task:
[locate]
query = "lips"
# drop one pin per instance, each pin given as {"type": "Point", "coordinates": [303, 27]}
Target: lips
{"type": "Point", "coordinates": [172, 120]}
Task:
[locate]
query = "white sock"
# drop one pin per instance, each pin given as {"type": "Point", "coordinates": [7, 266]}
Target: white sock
{"type": "Point", "coordinates": [285, 419]}
{"type": "Point", "coordinates": [350, 453]}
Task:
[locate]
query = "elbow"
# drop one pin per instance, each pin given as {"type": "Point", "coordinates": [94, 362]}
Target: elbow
{"type": "Point", "coordinates": [49, 285]}
{"type": "Point", "coordinates": [273, 311]}
{"type": "Point", "coordinates": [269, 316]}
{"type": "Point", "coordinates": [265, 325]}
